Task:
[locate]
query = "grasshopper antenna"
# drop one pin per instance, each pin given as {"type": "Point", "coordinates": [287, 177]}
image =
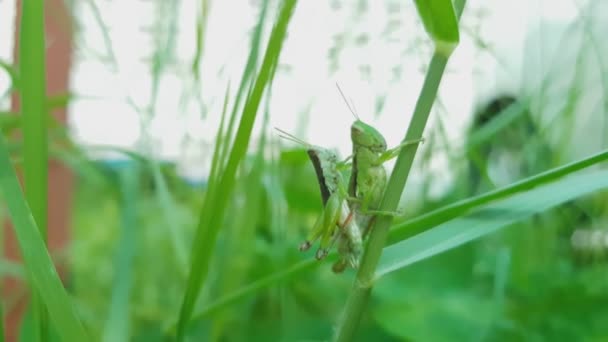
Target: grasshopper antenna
{"type": "Point", "coordinates": [291, 137]}
{"type": "Point", "coordinates": [347, 103]}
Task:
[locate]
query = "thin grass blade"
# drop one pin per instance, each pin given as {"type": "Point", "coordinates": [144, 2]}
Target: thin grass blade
{"type": "Point", "coordinates": [427, 221]}
{"type": "Point", "coordinates": [488, 219]}
{"type": "Point", "coordinates": [43, 275]}
{"type": "Point", "coordinates": [117, 325]}
{"type": "Point", "coordinates": [214, 208]}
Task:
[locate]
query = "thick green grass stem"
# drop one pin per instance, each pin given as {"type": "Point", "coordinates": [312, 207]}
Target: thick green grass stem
{"type": "Point", "coordinates": [33, 111]}
{"type": "Point", "coordinates": [362, 286]}
{"type": "Point", "coordinates": [34, 125]}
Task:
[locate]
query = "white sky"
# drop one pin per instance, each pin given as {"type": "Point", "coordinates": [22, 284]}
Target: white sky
{"type": "Point", "coordinates": [104, 116]}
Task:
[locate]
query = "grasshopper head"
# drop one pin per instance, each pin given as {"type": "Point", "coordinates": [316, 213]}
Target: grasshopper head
{"type": "Point", "coordinates": [367, 136]}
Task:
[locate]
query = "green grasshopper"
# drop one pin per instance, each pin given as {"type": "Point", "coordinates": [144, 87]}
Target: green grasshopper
{"type": "Point", "coordinates": [368, 177]}
{"type": "Point", "coordinates": [336, 223]}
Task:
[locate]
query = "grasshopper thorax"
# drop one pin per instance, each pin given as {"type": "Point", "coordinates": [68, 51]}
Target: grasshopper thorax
{"type": "Point", "coordinates": [364, 135]}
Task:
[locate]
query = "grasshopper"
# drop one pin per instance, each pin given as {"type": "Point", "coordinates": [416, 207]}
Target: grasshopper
{"type": "Point", "coordinates": [336, 222]}
{"type": "Point", "coordinates": [368, 177]}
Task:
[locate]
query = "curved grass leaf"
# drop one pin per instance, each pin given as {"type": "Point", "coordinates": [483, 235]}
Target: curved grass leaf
{"type": "Point", "coordinates": [488, 219]}
{"type": "Point", "coordinates": [213, 209]}
{"type": "Point", "coordinates": [427, 221]}
{"type": "Point", "coordinates": [42, 273]}
{"type": "Point", "coordinates": [440, 22]}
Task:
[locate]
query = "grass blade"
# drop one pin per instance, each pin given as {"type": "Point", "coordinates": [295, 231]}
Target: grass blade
{"type": "Point", "coordinates": [34, 119]}
{"type": "Point", "coordinates": [213, 208]}
{"type": "Point", "coordinates": [440, 22]}
{"type": "Point", "coordinates": [489, 219]}
{"type": "Point", "coordinates": [43, 276]}
{"type": "Point", "coordinates": [33, 109]}
{"type": "Point", "coordinates": [117, 326]}
{"type": "Point", "coordinates": [246, 80]}
{"type": "Point", "coordinates": [441, 215]}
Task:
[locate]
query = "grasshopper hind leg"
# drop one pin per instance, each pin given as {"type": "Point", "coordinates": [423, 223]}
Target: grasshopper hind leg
{"type": "Point", "coordinates": [304, 246]}
{"type": "Point", "coordinates": [327, 243]}
{"type": "Point", "coordinates": [339, 266]}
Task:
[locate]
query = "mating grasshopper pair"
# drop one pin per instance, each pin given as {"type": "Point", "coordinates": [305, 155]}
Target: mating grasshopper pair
{"type": "Point", "coordinates": [348, 212]}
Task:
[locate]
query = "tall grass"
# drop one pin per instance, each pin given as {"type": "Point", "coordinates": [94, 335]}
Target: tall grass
{"type": "Point", "coordinates": [215, 203]}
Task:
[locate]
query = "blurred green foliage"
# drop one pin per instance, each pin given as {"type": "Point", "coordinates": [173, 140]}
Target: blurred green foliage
{"type": "Point", "coordinates": [131, 216]}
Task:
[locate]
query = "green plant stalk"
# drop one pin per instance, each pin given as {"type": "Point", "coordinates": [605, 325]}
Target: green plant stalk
{"type": "Point", "coordinates": [34, 125]}
{"type": "Point", "coordinates": [33, 111]}
{"type": "Point", "coordinates": [362, 286]}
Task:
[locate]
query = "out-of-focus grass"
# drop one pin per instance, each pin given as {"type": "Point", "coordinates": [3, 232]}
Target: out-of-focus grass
{"type": "Point", "coordinates": [42, 274]}
{"type": "Point", "coordinates": [215, 205]}
{"type": "Point", "coordinates": [118, 323]}
{"type": "Point", "coordinates": [32, 90]}
{"type": "Point", "coordinates": [524, 282]}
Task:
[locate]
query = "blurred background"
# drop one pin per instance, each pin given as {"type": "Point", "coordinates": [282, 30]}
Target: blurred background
{"type": "Point", "coordinates": [139, 87]}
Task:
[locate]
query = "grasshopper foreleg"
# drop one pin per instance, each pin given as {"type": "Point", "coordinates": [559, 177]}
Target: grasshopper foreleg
{"type": "Point", "coordinates": [394, 152]}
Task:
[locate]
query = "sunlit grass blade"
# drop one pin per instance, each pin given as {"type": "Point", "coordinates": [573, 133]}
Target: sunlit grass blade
{"type": "Point", "coordinates": [213, 209]}
{"type": "Point", "coordinates": [117, 325]}
{"type": "Point", "coordinates": [42, 274]}
{"type": "Point", "coordinates": [427, 221]}
{"type": "Point", "coordinates": [488, 219]}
